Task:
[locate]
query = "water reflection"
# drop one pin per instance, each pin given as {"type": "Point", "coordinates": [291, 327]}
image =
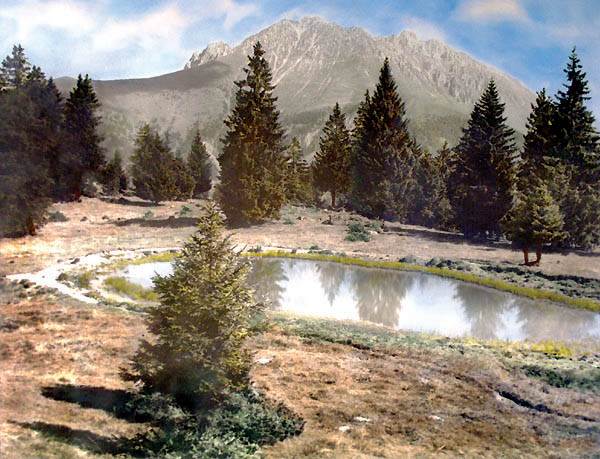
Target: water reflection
{"type": "Point", "coordinates": [407, 301]}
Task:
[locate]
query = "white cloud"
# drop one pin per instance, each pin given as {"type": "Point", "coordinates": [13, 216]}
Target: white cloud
{"type": "Point", "coordinates": [75, 35]}
{"type": "Point", "coordinates": [492, 11]}
{"type": "Point", "coordinates": [424, 29]}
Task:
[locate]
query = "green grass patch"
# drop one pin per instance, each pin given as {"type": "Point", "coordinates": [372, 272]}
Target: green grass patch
{"type": "Point", "coordinates": [498, 284]}
{"type": "Point", "coordinates": [152, 258]}
{"type": "Point", "coordinates": [587, 380]}
{"type": "Point", "coordinates": [129, 289]}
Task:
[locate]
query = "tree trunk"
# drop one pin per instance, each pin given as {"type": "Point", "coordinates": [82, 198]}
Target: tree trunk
{"type": "Point", "coordinates": [333, 199]}
{"type": "Point", "coordinates": [538, 254]}
{"type": "Point", "coordinates": [526, 255]}
{"type": "Point", "coordinates": [30, 226]}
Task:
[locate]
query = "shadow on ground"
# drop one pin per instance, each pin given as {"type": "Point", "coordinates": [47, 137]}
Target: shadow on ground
{"type": "Point", "coordinates": [129, 202]}
{"type": "Point", "coordinates": [171, 222]}
{"type": "Point", "coordinates": [84, 439]}
{"type": "Point", "coordinates": [114, 401]}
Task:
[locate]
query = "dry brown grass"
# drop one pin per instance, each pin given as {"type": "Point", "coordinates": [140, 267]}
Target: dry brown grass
{"type": "Point", "coordinates": [53, 346]}
{"type": "Point", "coordinates": [420, 401]}
{"type": "Point", "coordinates": [124, 227]}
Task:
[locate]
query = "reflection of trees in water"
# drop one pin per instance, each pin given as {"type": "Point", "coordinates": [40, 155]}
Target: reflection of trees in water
{"type": "Point", "coordinates": [379, 294]}
{"type": "Point", "coordinates": [543, 321]}
{"type": "Point", "coordinates": [266, 278]}
{"type": "Point", "coordinates": [331, 276]}
{"type": "Point", "coordinates": [483, 309]}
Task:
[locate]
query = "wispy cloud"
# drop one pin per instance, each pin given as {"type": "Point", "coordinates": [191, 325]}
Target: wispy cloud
{"type": "Point", "coordinates": [424, 29]}
{"type": "Point", "coordinates": [492, 11]}
{"type": "Point", "coordinates": [92, 37]}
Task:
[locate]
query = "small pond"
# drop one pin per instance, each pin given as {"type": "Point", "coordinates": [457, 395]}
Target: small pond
{"type": "Point", "coordinates": [403, 300]}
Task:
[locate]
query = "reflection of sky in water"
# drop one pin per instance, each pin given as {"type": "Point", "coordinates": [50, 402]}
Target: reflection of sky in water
{"type": "Point", "coordinates": [403, 300]}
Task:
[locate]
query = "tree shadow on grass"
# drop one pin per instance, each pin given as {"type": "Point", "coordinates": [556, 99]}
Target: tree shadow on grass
{"type": "Point", "coordinates": [114, 401]}
{"type": "Point", "coordinates": [128, 202]}
{"type": "Point", "coordinates": [84, 439]}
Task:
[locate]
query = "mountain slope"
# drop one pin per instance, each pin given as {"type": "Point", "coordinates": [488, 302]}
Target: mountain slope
{"type": "Point", "coordinates": [315, 64]}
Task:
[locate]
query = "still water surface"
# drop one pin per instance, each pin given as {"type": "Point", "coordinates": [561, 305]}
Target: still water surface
{"type": "Point", "coordinates": [403, 300]}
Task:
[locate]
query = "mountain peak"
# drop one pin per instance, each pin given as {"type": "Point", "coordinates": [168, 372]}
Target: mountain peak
{"type": "Point", "coordinates": [212, 52]}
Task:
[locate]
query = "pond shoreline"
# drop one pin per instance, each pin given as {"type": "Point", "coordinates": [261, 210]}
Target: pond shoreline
{"type": "Point", "coordinates": [583, 293]}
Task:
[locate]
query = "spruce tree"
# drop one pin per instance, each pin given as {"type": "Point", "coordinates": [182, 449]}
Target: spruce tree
{"type": "Point", "coordinates": [331, 165]}
{"type": "Point", "coordinates": [485, 169]}
{"type": "Point", "coordinates": [114, 177]}
{"type": "Point", "coordinates": [24, 182]}
{"type": "Point", "coordinates": [82, 137]}
{"type": "Point", "coordinates": [534, 220]}
{"type": "Point", "coordinates": [384, 155]}
{"type": "Point", "coordinates": [15, 69]}
{"type": "Point", "coordinates": [576, 152]}
{"type": "Point", "coordinates": [201, 323]}
{"type": "Point", "coordinates": [199, 166]}
{"type": "Point", "coordinates": [184, 181]}
{"type": "Point", "coordinates": [539, 140]}
{"type": "Point", "coordinates": [577, 138]}
{"type": "Point", "coordinates": [253, 170]}
{"type": "Point", "coordinates": [152, 168]}
{"type": "Point", "coordinates": [298, 186]}
{"type": "Point", "coordinates": [429, 204]}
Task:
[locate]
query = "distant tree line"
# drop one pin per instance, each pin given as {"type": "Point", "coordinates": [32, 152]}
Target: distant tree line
{"type": "Point", "coordinates": [546, 193]}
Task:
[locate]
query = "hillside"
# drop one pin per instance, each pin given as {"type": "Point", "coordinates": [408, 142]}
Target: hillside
{"type": "Point", "coordinates": [315, 64]}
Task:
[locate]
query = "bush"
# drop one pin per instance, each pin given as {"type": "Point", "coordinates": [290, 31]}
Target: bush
{"type": "Point", "coordinates": [357, 232]}
{"type": "Point", "coordinates": [237, 428]}
{"type": "Point", "coordinates": [57, 217]}
{"type": "Point", "coordinates": [203, 318]}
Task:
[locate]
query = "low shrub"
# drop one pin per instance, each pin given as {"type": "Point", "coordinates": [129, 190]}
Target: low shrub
{"type": "Point", "coordinates": [588, 380]}
{"type": "Point", "coordinates": [57, 217]}
{"type": "Point", "coordinates": [357, 232]}
{"type": "Point", "coordinates": [238, 427]}
{"type": "Point", "coordinates": [83, 280]}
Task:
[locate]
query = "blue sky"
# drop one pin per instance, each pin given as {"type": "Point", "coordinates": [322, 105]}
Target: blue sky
{"type": "Point", "coordinates": [530, 39]}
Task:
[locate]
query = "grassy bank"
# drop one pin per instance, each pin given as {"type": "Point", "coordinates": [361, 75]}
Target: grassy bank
{"type": "Point", "coordinates": [129, 289]}
{"type": "Point", "coordinates": [533, 293]}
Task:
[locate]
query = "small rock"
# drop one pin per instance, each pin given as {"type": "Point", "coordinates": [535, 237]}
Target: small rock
{"type": "Point", "coordinates": [104, 217]}
{"type": "Point", "coordinates": [264, 360]}
{"type": "Point", "coordinates": [83, 219]}
{"type": "Point", "coordinates": [344, 429]}
{"type": "Point", "coordinates": [75, 261]}
{"type": "Point", "coordinates": [408, 259]}
{"type": "Point", "coordinates": [361, 419]}
{"type": "Point", "coordinates": [436, 418]}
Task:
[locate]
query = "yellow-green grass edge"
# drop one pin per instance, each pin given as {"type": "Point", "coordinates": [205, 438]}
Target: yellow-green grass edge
{"type": "Point", "coordinates": [498, 284]}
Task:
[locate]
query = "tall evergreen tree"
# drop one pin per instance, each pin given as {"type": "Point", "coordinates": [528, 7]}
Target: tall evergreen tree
{"type": "Point", "coordinates": [200, 166]}
{"type": "Point", "coordinates": [298, 186]}
{"type": "Point", "coordinates": [152, 171]}
{"type": "Point", "coordinates": [15, 69]}
{"type": "Point", "coordinates": [201, 323]}
{"type": "Point", "coordinates": [24, 183]}
{"type": "Point", "coordinates": [331, 166]}
{"type": "Point", "coordinates": [384, 155]}
{"type": "Point", "coordinates": [539, 140]}
{"type": "Point", "coordinates": [184, 181]}
{"type": "Point", "coordinates": [577, 137]}
{"type": "Point", "coordinates": [82, 138]}
{"type": "Point", "coordinates": [253, 170]}
{"type": "Point", "coordinates": [485, 169]}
